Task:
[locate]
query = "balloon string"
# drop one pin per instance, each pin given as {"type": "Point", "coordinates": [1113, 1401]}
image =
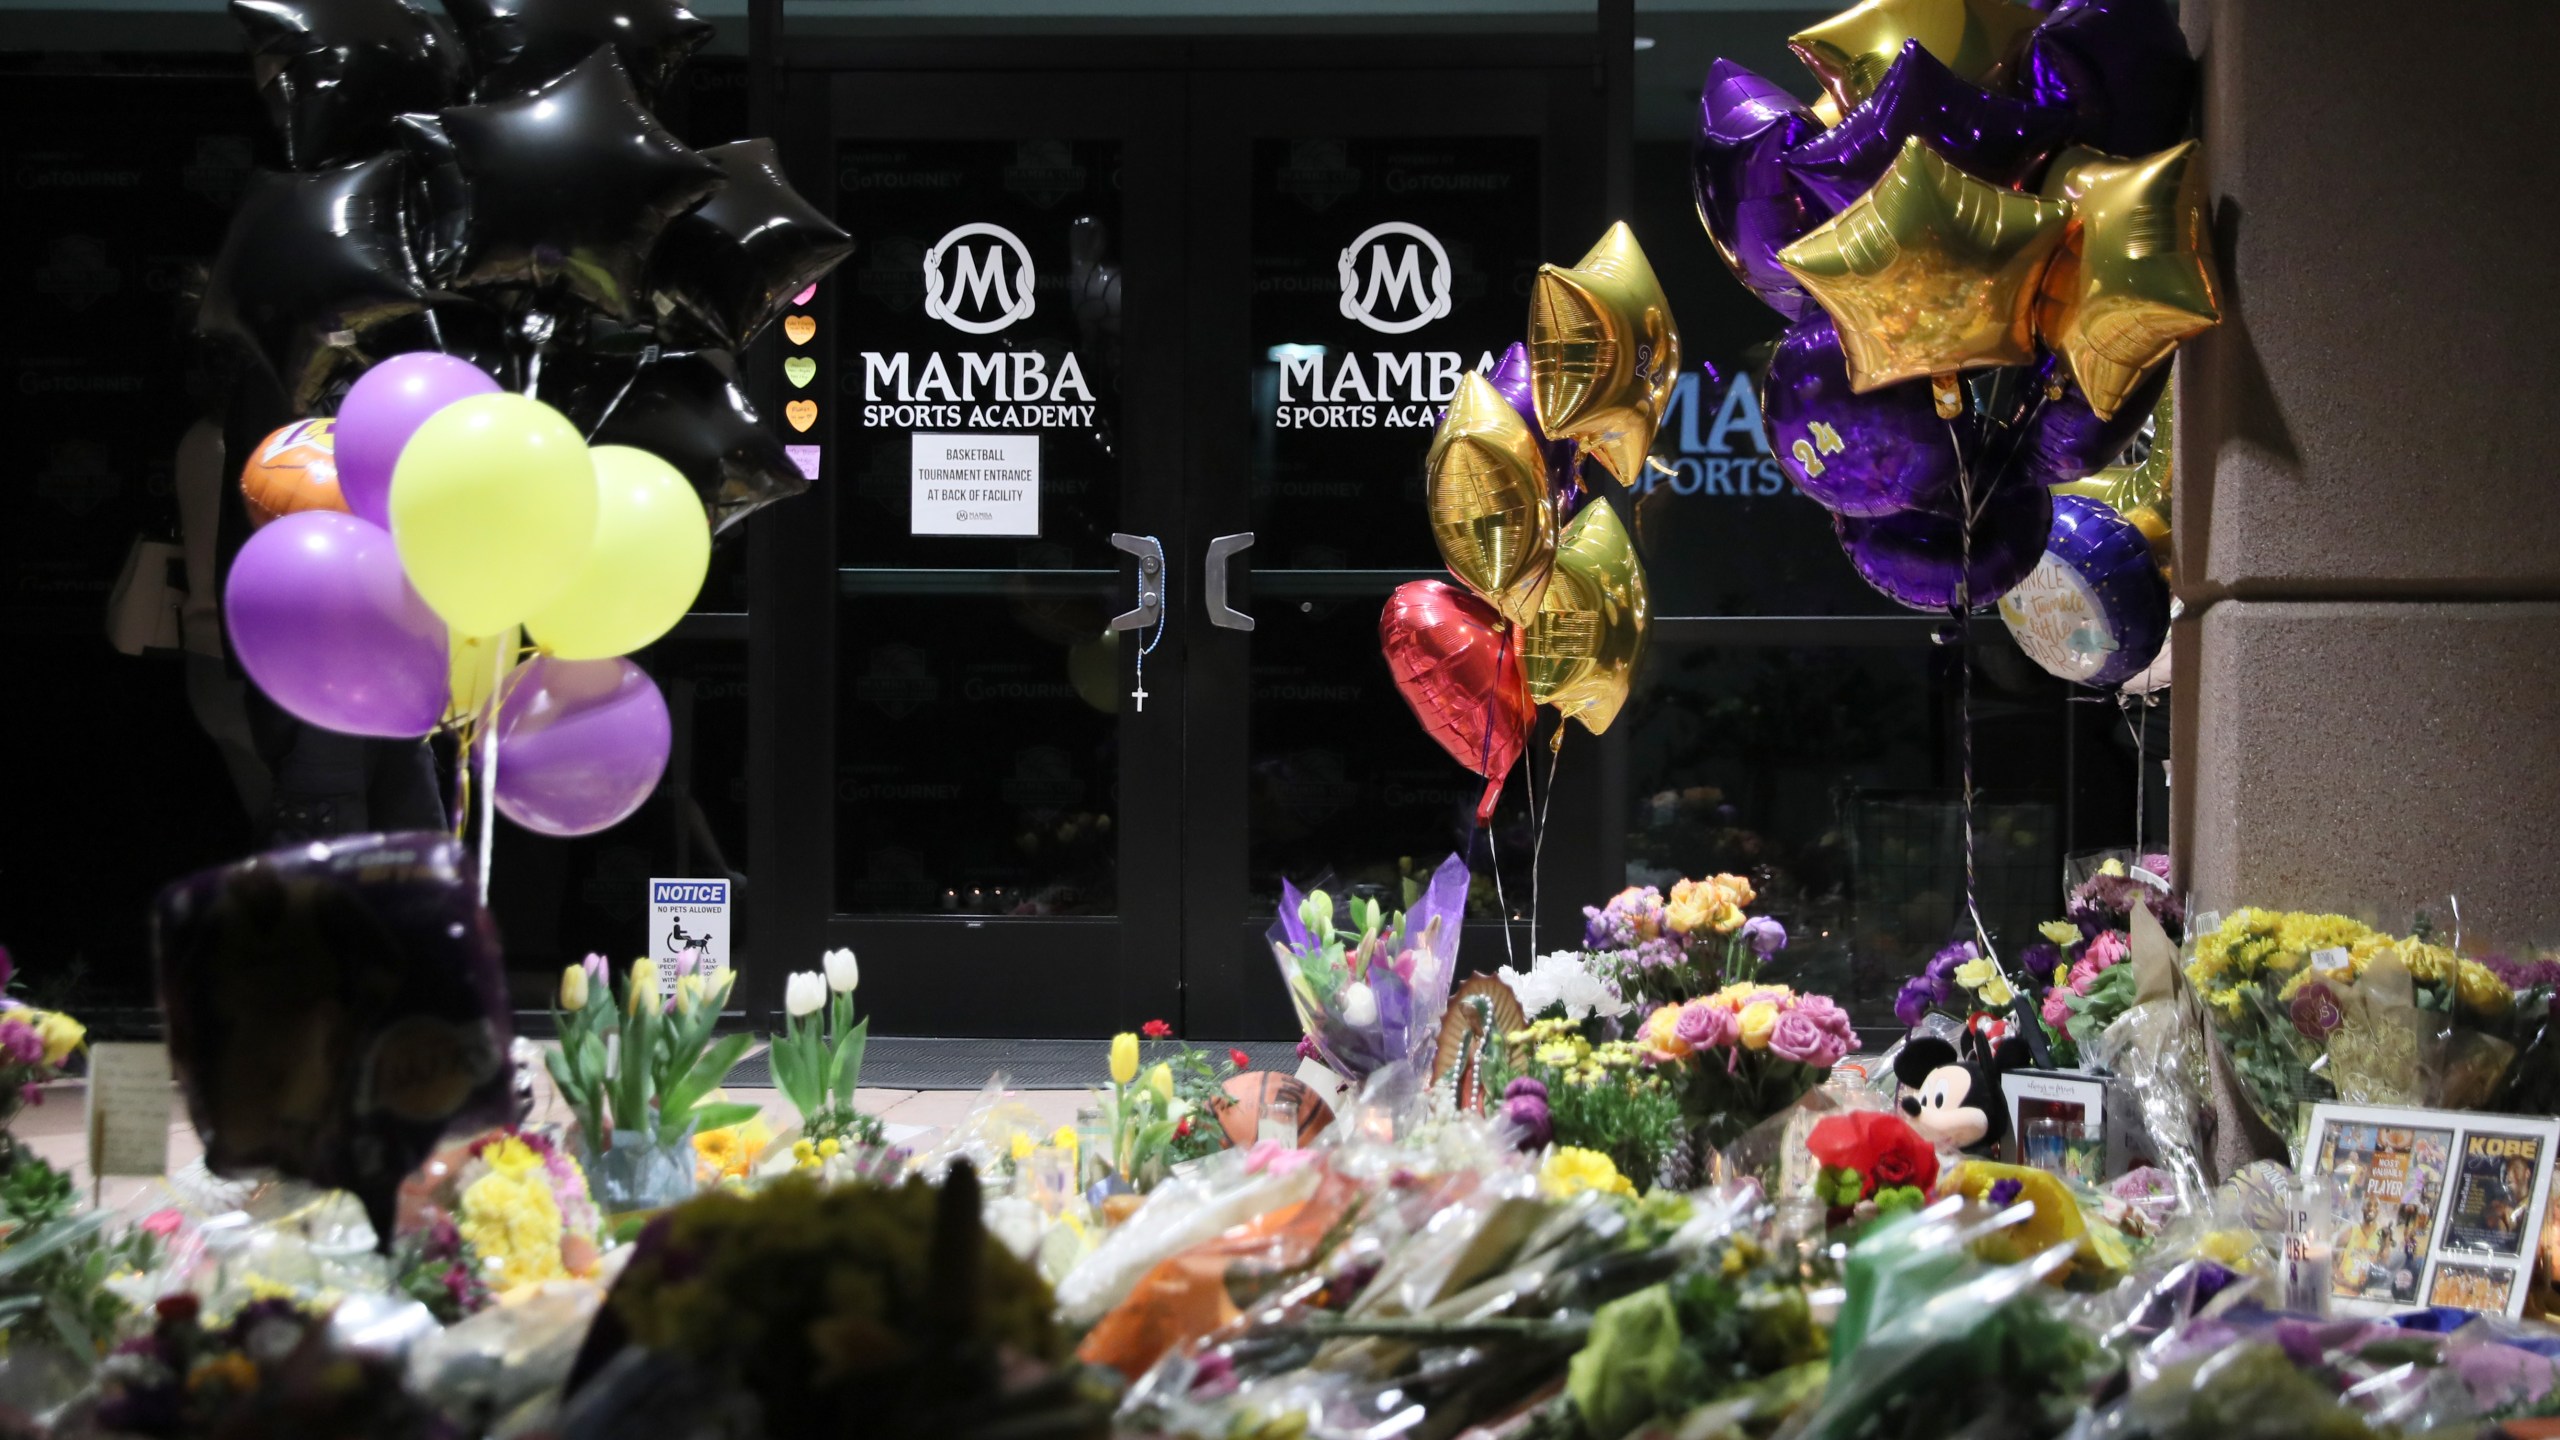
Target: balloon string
{"type": "Point", "coordinates": [1962, 638]}
{"type": "Point", "coordinates": [435, 331]}
{"type": "Point", "coordinates": [1538, 841]}
{"type": "Point", "coordinates": [489, 769]}
{"type": "Point", "coordinates": [648, 356]}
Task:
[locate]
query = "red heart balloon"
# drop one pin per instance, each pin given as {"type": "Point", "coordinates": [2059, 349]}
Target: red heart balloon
{"type": "Point", "coordinates": [1455, 661]}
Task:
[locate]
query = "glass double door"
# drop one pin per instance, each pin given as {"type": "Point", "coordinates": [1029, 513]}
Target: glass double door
{"type": "Point", "coordinates": [1120, 412]}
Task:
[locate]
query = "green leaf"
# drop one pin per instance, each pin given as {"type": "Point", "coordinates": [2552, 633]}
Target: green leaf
{"type": "Point", "coordinates": [704, 1077]}
{"type": "Point", "coordinates": [719, 1115]}
{"type": "Point", "coordinates": [848, 1061]}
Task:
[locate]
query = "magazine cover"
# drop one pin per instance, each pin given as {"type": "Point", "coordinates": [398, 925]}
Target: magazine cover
{"type": "Point", "coordinates": [2493, 1194]}
{"type": "Point", "coordinates": [2395, 1175]}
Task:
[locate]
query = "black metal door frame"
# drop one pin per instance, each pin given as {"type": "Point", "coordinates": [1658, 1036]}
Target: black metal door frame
{"type": "Point", "coordinates": [1166, 99]}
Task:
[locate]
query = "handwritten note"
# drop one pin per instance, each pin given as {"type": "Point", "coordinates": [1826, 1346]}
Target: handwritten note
{"type": "Point", "coordinates": [129, 1109]}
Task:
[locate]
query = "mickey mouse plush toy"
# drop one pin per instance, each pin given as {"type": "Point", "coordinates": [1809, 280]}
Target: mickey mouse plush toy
{"type": "Point", "coordinates": [1954, 1099]}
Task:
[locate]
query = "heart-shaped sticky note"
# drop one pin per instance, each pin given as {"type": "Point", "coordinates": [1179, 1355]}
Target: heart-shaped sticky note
{"type": "Point", "coordinates": [801, 328]}
{"type": "Point", "coordinates": [801, 413]}
{"type": "Point", "coordinates": [801, 370]}
{"type": "Point", "coordinates": [805, 296]}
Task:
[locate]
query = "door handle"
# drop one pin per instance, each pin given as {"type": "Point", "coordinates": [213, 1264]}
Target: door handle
{"type": "Point", "coordinates": [1214, 587]}
{"type": "Point", "coordinates": [1150, 553]}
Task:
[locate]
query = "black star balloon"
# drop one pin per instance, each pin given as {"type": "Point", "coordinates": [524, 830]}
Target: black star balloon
{"type": "Point", "coordinates": [521, 44]}
{"type": "Point", "coordinates": [690, 411]}
{"type": "Point", "coordinates": [335, 72]}
{"type": "Point", "coordinates": [572, 185]}
{"type": "Point", "coordinates": [312, 266]}
{"type": "Point", "coordinates": [439, 198]}
{"type": "Point", "coordinates": [725, 269]}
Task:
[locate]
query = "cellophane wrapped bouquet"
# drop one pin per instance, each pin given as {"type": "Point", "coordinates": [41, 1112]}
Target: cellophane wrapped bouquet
{"type": "Point", "coordinates": [2314, 1007]}
{"type": "Point", "coordinates": [1370, 986]}
{"type": "Point", "coordinates": [1653, 948]}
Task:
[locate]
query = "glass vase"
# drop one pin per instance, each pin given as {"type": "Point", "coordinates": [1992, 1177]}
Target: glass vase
{"type": "Point", "coordinates": [639, 1171]}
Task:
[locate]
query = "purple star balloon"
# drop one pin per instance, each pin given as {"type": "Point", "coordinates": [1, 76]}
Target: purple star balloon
{"type": "Point", "coordinates": [2122, 68]}
{"type": "Point", "coordinates": [1510, 376]}
{"type": "Point", "coordinates": [1994, 137]}
{"type": "Point", "coordinates": [1915, 557]}
{"type": "Point", "coordinates": [1871, 454]}
{"type": "Point", "coordinates": [1751, 206]}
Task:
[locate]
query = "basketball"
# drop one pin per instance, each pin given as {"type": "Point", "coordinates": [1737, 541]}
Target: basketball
{"type": "Point", "coordinates": [294, 469]}
{"type": "Point", "coordinates": [1256, 1088]}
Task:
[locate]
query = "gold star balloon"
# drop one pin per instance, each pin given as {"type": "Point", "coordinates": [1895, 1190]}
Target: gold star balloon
{"type": "Point", "coordinates": [1849, 53]}
{"type": "Point", "coordinates": [1487, 493]}
{"type": "Point", "coordinates": [2141, 493]}
{"type": "Point", "coordinates": [1580, 653]}
{"type": "Point", "coordinates": [1604, 353]}
{"type": "Point", "coordinates": [1931, 271]}
{"type": "Point", "coordinates": [2135, 275]}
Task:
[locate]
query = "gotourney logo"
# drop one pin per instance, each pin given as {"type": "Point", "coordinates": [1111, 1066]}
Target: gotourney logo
{"type": "Point", "coordinates": [990, 280]}
{"type": "Point", "coordinates": [1383, 274]}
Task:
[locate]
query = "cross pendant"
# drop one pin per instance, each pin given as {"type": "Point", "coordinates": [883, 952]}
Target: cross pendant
{"type": "Point", "coordinates": [1140, 695]}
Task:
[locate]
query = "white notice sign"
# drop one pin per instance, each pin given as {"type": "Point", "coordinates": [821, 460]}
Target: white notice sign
{"type": "Point", "coordinates": [974, 485]}
{"type": "Point", "coordinates": [129, 1103]}
{"type": "Point", "coordinates": [688, 915]}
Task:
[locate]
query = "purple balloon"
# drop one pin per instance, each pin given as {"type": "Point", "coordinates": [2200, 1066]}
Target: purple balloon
{"type": "Point", "coordinates": [324, 619]}
{"type": "Point", "coordinates": [2122, 68]}
{"type": "Point", "coordinates": [1752, 207]}
{"type": "Point", "coordinates": [580, 744]}
{"type": "Point", "coordinates": [2066, 440]}
{"type": "Point", "coordinates": [1915, 557]}
{"type": "Point", "coordinates": [1510, 375]}
{"type": "Point", "coordinates": [1871, 454]}
{"type": "Point", "coordinates": [1993, 137]}
{"type": "Point", "coordinates": [2096, 609]}
{"type": "Point", "coordinates": [383, 409]}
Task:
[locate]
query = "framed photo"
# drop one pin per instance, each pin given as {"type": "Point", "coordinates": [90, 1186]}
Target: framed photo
{"type": "Point", "coordinates": [2058, 1123]}
{"type": "Point", "coordinates": [2444, 1206]}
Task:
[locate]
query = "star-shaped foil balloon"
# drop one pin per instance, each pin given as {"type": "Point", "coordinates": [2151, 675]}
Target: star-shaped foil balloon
{"type": "Point", "coordinates": [2141, 492]}
{"type": "Point", "coordinates": [1931, 271]}
{"type": "Point", "coordinates": [1850, 52]}
{"type": "Point", "coordinates": [1580, 653]}
{"type": "Point", "coordinates": [1487, 492]}
{"type": "Point", "coordinates": [2135, 275]}
{"type": "Point", "coordinates": [1604, 352]}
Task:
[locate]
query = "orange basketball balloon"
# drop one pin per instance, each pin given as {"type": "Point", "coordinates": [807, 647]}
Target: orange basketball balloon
{"type": "Point", "coordinates": [1248, 1093]}
{"type": "Point", "coordinates": [296, 468]}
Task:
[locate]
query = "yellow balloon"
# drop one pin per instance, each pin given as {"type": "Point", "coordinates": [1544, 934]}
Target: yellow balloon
{"type": "Point", "coordinates": [475, 672]}
{"type": "Point", "coordinates": [493, 508]}
{"type": "Point", "coordinates": [1487, 492]}
{"type": "Point", "coordinates": [1850, 52]}
{"type": "Point", "coordinates": [652, 545]}
{"type": "Point", "coordinates": [1580, 653]}
{"type": "Point", "coordinates": [1930, 271]}
{"type": "Point", "coordinates": [1604, 353]}
{"type": "Point", "coordinates": [2135, 274]}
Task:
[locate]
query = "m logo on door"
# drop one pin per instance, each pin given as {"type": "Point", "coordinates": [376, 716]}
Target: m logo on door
{"type": "Point", "coordinates": [978, 279]}
{"type": "Point", "coordinates": [1395, 278]}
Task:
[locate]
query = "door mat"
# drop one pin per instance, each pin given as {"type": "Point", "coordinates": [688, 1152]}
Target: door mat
{"type": "Point", "coordinates": [897, 1062]}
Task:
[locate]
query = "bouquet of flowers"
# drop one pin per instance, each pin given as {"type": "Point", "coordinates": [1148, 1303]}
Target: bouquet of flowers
{"type": "Point", "coordinates": [1564, 985]}
{"type": "Point", "coordinates": [524, 1211]}
{"type": "Point", "coordinates": [33, 1045]}
{"type": "Point", "coordinates": [2077, 967]}
{"type": "Point", "coordinates": [1370, 987]}
{"type": "Point", "coordinates": [1171, 1114]}
{"type": "Point", "coordinates": [271, 1369]}
{"type": "Point", "coordinates": [2314, 1007]}
{"type": "Point", "coordinates": [655, 1082]}
{"type": "Point", "coordinates": [1959, 979]}
{"type": "Point", "coordinates": [817, 1065]}
{"type": "Point", "coordinates": [1745, 1052]}
{"type": "Point", "coordinates": [1559, 1088]}
{"type": "Point", "coordinates": [1656, 949]}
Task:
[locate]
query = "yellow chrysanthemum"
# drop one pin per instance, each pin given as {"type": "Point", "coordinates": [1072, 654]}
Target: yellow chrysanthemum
{"type": "Point", "coordinates": [509, 1217]}
{"type": "Point", "coordinates": [729, 1153]}
{"type": "Point", "coordinates": [1570, 1170]}
{"type": "Point", "coordinates": [2480, 988]}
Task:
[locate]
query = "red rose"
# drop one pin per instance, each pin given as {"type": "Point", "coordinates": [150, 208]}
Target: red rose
{"type": "Point", "coordinates": [1880, 1145]}
{"type": "Point", "coordinates": [1182, 1128]}
{"type": "Point", "coordinates": [1155, 1030]}
{"type": "Point", "coordinates": [1241, 1059]}
{"type": "Point", "coordinates": [178, 1307]}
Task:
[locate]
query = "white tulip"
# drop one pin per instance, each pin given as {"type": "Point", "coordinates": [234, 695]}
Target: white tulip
{"type": "Point", "coordinates": [1359, 1005]}
{"type": "Point", "coordinates": [805, 993]}
{"type": "Point", "coordinates": [842, 973]}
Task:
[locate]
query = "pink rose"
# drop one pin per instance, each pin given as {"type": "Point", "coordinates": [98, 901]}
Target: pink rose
{"type": "Point", "coordinates": [1702, 1026]}
{"type": "Point", "coordinates": [1814, 1031]}
{"type": "Point", "coordinates": [2057, 1006]}
{"type": "Point", "coordinates": [2083, 975]}
{"type": "Point", "coordinates": [2105, 949]}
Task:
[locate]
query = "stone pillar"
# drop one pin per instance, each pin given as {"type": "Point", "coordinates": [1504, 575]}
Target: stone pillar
{"type": "Point", "coordinates": [2368, 466]}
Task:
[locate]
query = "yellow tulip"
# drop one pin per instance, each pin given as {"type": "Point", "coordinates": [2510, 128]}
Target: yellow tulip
{"type": "Point", "coordinates": [573, 988]}
{"type": "Point", "coordinates": [1160, 1080]}
{"type": "Point", "coordinates": [644, 986]}
{"type": "Point", "coordinates": [1124, 1058]}
{"type": "Point", "coordinates": [61, 1035]}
